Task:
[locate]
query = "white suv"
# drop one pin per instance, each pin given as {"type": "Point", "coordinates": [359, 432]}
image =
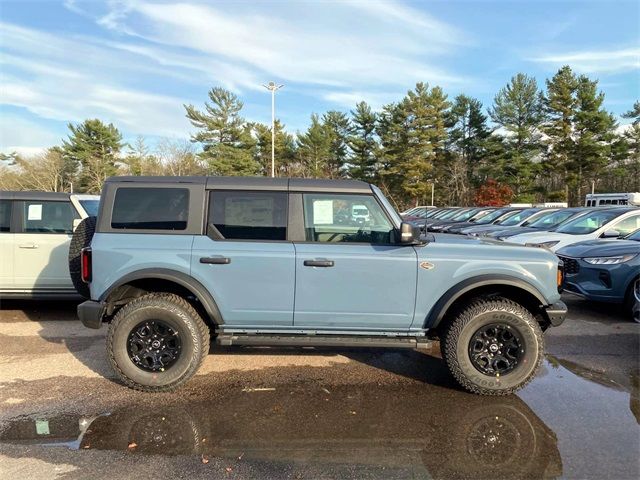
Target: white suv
{"type": "Point", "coordinates": [35, 232]}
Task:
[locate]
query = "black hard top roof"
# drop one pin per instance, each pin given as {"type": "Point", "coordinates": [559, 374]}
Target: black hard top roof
{"type": "Point", "coordinates": [33, 195]}
{"type": "Point", "coordinates": [255, 183]}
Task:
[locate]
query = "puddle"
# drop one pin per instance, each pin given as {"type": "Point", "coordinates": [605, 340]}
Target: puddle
{"type": "Point", "coordinates": [427, 429]}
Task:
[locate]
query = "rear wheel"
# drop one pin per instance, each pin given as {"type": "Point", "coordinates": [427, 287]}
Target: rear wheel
{"type": "Point", "coordinates": [493, 346]}
{"type": "Point", "coordinates": [157, 342]}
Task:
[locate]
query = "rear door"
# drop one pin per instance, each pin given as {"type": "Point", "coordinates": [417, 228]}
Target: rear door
{"type": "Point", "coordinates": [245, 260]}
{"type": "Point", "coordinates": [41, 246]}
{"type": "Point", "coordinates": [6, 246]}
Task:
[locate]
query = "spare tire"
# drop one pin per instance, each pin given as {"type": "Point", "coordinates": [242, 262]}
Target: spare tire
{"type": "Point", "coordinates": [81, 238]}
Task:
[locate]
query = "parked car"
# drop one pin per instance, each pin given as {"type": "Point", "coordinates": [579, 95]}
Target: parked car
{"type": "Point", "coordinates": [605, 270]}
{"type": "Point", "coordinates": [598, 223]}
{"type": "Point", "coordinates": [547, 222]}
{"type": "Point", "coordinates": [462, 215]}
{"type": "Point", "coordinates": [520, 219]}
{"type": "Point", "coordinates": [419, 207]}
{"type": "Point", "coordinates": [480, 212]}
{"type": "Point", "coordinates": [491, 218]}
{"type": "Point", "coordinates": [421, 212]}
{"type": "Point", "coordinates": [261, 261]}
{"type": "Point", "coordinates": [35, 231]}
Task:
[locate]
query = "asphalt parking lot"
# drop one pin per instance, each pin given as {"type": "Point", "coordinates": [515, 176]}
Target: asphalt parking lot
{"type": "Point", "coordinates": [315, 413]}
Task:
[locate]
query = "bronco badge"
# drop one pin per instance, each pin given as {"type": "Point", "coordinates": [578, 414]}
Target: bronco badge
{"type": "Point", "coordinates": [427, 265]}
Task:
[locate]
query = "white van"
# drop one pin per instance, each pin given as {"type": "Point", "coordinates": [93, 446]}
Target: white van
{"type": "Point", "coordinates": [35, 232]}
{"type": "Point", "coordinates": [608, 199]}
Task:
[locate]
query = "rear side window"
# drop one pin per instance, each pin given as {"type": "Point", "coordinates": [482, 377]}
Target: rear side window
{"type": "Point", "coordinates": [5, 215]}
{"type": "Point", "coordinates": [248, 215]}
{"type": "Point", "coordinates": [150, 209]}
{"type": "Point", "coordinates": [48, 217]}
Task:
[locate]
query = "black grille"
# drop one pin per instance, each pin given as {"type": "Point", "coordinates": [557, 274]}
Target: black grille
{"type": "Point", "coordinates": [571, 265]}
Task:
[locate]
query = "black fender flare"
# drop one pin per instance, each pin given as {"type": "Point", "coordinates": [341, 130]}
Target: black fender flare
{"type": "Point", "coordinates": [180, 278]}
{"type": "Point", "coordinates": [438, 311]}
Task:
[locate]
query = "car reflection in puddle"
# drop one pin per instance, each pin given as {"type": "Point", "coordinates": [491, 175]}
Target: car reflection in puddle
{"type": "Point", "coordinates": [446, 433]}
{"type": "Point", "coordinates": [416, 428]}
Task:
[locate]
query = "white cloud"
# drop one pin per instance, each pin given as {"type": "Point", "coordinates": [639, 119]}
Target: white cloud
{"type": "Point", "coordinates": [332, 44]}
{"type": "Point", "coordinates": [595, 61]}
{"type": "Point", "coordinates": [375, 99]}
{"type": "Point", "coordinates": [24, 136]}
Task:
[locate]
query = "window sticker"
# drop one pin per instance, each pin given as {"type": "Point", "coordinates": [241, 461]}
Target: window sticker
{"type": "Point", "coordinates": [35, 212]}
{"type": "Point", "coordinates": [323, 212]}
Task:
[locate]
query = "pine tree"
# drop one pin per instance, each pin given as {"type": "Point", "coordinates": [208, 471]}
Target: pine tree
{"type": "Point", "coordinates": [284, 149]}
{"type": "Point", "coordinates": [314, 149]}
{"type": "Point", "coordinates": [93, 147]}
{"type": "Point", "coordinates": [225, 136]}
{"type": "Point", "coordinates": [363, 143]}
{"type": "Point", "coordinates": [517, 109]}
{"type": "Point", "coordinates": [338, 126]}
{"type": "Point", "coordinates": [632, 140]}
{"type": "Point", "coordinates": [468, 133]}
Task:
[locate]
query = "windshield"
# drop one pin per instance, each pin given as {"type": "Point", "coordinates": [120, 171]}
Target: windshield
{"type": "Point", "coordinates": [588, 223]}
{"type": "Point", "coordinates": [464, 215]}
{"type": "Point", "coordinates": [449, 214]}
{"type": "Point", "coordinates": [518, 217]}
{"type": "Point", "coordinates": [388, 207]}
{"type": "Point", "coordinates": [552, 219]}
{"type": "Point", "coordinates": [91, 207]}
{"type": "Point", "coordinates": [490, 217]}
{"type": "Point", "coordinates": [634, 236]}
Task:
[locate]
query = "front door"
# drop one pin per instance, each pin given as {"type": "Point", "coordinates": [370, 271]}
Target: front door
{"type": "Point", "coordinates": [245, 260]}
{"type": "Point", "coordinates": [41, 246]}
{"type": "Point", "coordinates": [350, 273]}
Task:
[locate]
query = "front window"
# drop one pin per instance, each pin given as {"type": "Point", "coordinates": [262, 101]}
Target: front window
{"type": "Point", "coordinates": [551, 219]}
{"type": "Point", "coordinates": [517, 218]}
{"type": "Point", "coordinates": [395, 217]}
{"type": "Point", "coordinates": [627, 225]}
{"type": "Point", "coordinates": [337, 219]}
{"type": "Point", "coordinates": [490, 217]}
{"type": "Point", "coordinates": [464, 215]}
{"type": "Point", "coordinates": [588, 223]}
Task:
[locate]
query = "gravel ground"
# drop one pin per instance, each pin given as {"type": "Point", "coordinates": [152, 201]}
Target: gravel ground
{"type": "Point", "coordinates": [315, 413]}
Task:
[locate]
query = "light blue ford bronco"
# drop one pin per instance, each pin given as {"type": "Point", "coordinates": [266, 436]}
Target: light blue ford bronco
{"type": "Point", "coordinates": [173, 262]}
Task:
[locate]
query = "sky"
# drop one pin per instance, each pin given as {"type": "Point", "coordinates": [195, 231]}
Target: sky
{"type": "Point", "coordinates": [135, 63]}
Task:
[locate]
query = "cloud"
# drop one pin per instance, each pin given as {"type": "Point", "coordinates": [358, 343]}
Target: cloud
{"type": "Point", "coordinates": [350, 98]}
{"type": "Point", "coordinates": [313, 43]}
{"type": "Point", "coordinates": [26, 137]}
{"type": "Point", "coordinates": [595, 61]}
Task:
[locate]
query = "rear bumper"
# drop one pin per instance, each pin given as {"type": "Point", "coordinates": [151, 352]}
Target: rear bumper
{"type": "Point", "coordinates": [91, 313]}
{"type": "Point", "coordinates": [556, 313]}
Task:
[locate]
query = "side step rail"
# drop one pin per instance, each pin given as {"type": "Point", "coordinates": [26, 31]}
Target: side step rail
{"type": "Point", "coordinates": [269, 340]}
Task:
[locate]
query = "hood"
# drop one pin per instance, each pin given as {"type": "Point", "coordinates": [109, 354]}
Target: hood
{"type": "Point", "coordinates": [538, 237]}
{"type": "Point", "coordinates": [600, 248]}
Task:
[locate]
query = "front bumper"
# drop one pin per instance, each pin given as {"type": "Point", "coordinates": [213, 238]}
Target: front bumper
{"type": "Point", "coordinates": [556, 313]}
{"type": "Point", "coordinates": [91, 313]}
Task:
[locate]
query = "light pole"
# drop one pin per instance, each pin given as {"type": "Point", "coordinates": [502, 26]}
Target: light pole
{"type": "Point", "coordinates": [272, 87]}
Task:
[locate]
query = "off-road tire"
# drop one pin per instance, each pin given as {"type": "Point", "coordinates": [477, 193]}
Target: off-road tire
{"type": "Point", "coordinates": [182, 317]}
{"type": "Point", "coordinates": [81, 238]}
{"type": "Point", "coordinates": [480, 312]}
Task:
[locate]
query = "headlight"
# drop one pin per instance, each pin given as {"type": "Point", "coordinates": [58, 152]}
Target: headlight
{"type": "Point", "coordinates": [543, 244]}
{"type": "Point", "coordinates": [610, 260]}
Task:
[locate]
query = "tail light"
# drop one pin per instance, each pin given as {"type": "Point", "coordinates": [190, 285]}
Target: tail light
{"type": "Point", "coordinates": [85, 259]}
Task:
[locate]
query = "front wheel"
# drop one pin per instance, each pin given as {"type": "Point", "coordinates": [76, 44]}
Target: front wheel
{"type": "Point", "coordinates": [157, 342]}
{"type": "Point", "coordinates": [493, 346]}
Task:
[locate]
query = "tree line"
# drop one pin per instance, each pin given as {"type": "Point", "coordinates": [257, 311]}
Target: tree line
{"type": "Point", "coordinates": [532, 144]}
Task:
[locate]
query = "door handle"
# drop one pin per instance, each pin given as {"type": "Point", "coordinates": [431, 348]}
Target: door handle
{"type": "Point", "coordinates": [28, 245]}
{"type": "Point", "coordinates": [318, 263]}
{"type": "Point", "coordinates": [215, 260]}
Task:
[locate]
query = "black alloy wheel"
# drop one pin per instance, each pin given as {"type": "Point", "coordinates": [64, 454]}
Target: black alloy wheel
{"type": "Point", "coordinates": [496, 349]}
{"type": "Point", "coordinates": [153, 346]}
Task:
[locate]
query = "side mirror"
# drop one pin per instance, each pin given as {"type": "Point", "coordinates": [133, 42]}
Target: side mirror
{"type": "Point", "coordinates": [76, 222]}
{"type": "Point", "coordinates": [610, 234]}
{"type": "Point", "coordinates": [409, 234]}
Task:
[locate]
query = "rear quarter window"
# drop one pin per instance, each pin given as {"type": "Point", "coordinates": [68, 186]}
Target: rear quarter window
{"type": "Point", "coordinates": [150, 209]}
